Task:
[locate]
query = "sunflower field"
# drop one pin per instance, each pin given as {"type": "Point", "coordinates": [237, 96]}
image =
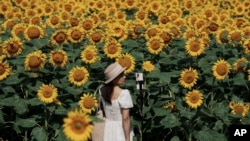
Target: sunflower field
{"type": "Point", "coordinates": [194, 55]}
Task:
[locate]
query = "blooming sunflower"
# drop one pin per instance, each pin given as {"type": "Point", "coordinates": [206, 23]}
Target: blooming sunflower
{"type": "Point", "coordinates": [155, 45]}
{"type": "Point", "coordinates": [188, 77]}
{"type": "Point", "coordinates": [235, 36]}
{"type": "Point", "coordinates": [96, 36]}
{"type": "Point", "coordinates": [222, 35]}
{"type": "Point", "coordinates": [58, 58]}
{"type": "Point", "coordinates": [75, 34]}
{"type": "Point", "coordinates": [152, 31]}
{"type": "Point", "coordinates": [112, 49]}
{"type": "Point", "coordinates": [33, 32]}
{"type": "Point", "coordinates": [126, 60]}
{"type": "Point", "coordinates": [88, 103]}
{"type": "Point", "coordinates": [118, 31]}
{"type": "Point", "coordinates": [89, 54]}
{"type": "Point", "coordinates": [155, 7]}
{"type": "Point", "coordinates": [239, 9]}
{"type": "Point", "coordinates": [4, 70]}
{"type": "Point", "coordinates": [88, 24]}
{"type": "Point", "coordinates": [248, 71]}
{"type": "Point", "coordinates": [238, 108]}
{"type": "Point", "coordinates": [77, 126]}
{"type": "Point", "coordinates": [147, 66]}
{"type": "Point", "coordinates": [220, 69]}
{"type": "Point", "coordinates": [170, 105]}
{"type": "Point", "coordinates": [18, 30]}
{"type": "Point", "coordinates": [240, 64]}
{"type": "Point", "coordinates": [47, 93]}
{"type": "Point", "coordinates": [194, 47]}
{"type": "Point", "coordinates": [78, 76]}
{"type": "Point", "coordinates": [53, 21]}
{"type": "Point", "coordinates": [194, 98]}
{"type": "Point", "coordinates": [12, 47]}
{"type": "Point", "coordinates": [246, 46]}
{"type": "Point", "coordinates": [35, 61]}
{"type": "Point", "coordinates": [59, 37]}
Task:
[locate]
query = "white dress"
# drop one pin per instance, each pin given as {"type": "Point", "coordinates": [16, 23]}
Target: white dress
{"type": "Point", "coordinates": [113, 130]}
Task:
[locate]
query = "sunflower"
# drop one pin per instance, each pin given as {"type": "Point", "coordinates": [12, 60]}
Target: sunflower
{"type": "Point", "coordinates": [58, 58]}
{"type": "Point", "coordinates": [73, 21]}
{"type": "Point", "coordinates": [12, 47]}
{"type": "Point", "coordinates": [155, 7]}
{"type": "Point", "coordinates": [18, 30]}
{"type": "Point", "coordinates": [194, 46]}
{"type": "Point", "coordinates": [47, 93]}
{"type": "Point", "coordinates": [53, 21]}
{"type": "Point", "coordinates": [147, 66]}
{"type": "Point", "coordinates": [4, 70]}
{"type": "Point", "coordinates": [77, 126]}
{"type": "Point", "coordinates": [163, 19]}
{"type": "Point", "coordinates": [112, 49]}
{"type": "Point", "coordinates": [246, 46]}
{"type": "Point", "coordinates": [75, 34]}
{"type": "Point", "coordinates": [35, 61]}
{"type": "Point", "coordinates": [248, 71]}
{"type": "Point", "coordinates": [126, 60]}
{"type": "Point", "coordinates": [166, 36]}
{"type": "Point", "coordinates": [238, 108]}
{"type": "Point", "coordinates": [155, 45]}
{"type": "Point", "coordinates": [170, 105]}
{"type": "Point", "coordinates": [59, 37]}
{"type": "Point", "coordinates": [88, 24]}
{"type": "Point", "coordinates": [221, 69]}
{"type": "Point", "coordinates": [33, 32]}
{"type": "Point", "coordinates": [239, 9]}
{"type": "Point", "coordinates": [8, 24]}
{"type": "Point", "coordinates": [235, 36]}
{"type": "Point", "coordinates": [240, 64]}
{"type": "Point", "coordinates": [36, 20]}
{"type": "Point", "coordinates": [141, 15]}
{"type": "Point", "coordinates": [222, 35]}
{"type": "Point", "coordinates": [152, 31]}
{"type": "Point", "coordinates": [118, 31]}
{"type": "Point", "coordinates": [88, 103]}
{"type": "Point", "coordinates": [188, 5]}
{"type": "Point", "coordinates": [188, 77]}
{"type": "Point", "coordinates": [194, 98]}
{"type": "Point", "coordinates": [78, 76]}
{"type": "Point", "coordinates": [96, 36]}
{"type": "Point", "coordinates": [64, 16]}
{"type": "Point", "coordinates": [89, 54]}
{"type": "Point", "coordinates": [100, 5]}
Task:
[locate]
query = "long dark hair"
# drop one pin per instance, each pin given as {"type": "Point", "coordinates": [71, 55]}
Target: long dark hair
{"type": "Point", "coordinates": [106, 91]}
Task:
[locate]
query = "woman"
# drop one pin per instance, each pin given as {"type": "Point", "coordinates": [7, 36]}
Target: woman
{"type": "Point", "coordinates": [116, 103]}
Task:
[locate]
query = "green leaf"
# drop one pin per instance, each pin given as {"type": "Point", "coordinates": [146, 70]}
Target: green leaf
{"type": "Point", "coordinates": [33, 102]}
{"type": "Point", "coordinates": [20, 106]}
{"type": "Point", "coordinates": [207, 134]}
{"type": "Point", "coordinates": [26, 123]}
{"type": "Point", "coordinates": [8, 89]}
{"type": "Point", "coordinates": [170, 121]}
{"type": "Point", "coordinates": [239, 79]}
{"type": "Point", "coordinates": [60, 136]}
{"type": "Point", "coordinates": [187, 113]}
{"type": "Point", "coordinates": [61, 111]}
{"type": "Point", "coordinates": [13, 80]}
{"type": "Point", "coordinates": [7, 101]}
{"type": "Point", "coordinates": [1, 116]}
{"type": "Point", "coordinates": [39, 134]}
{"type": "Point", "coordinates": [161, 111]}
{"type": "Point", "coordinates": [175, 138]}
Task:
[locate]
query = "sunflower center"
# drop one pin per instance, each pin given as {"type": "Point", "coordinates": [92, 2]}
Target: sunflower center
{"type": "Point", "coordinates": [87, 25]}
{"type": "Point", "coordinates": [223, 37]}
{"type": "Point", "coordinates": [138, 29]}
{"type": "Point", "coordinates": [221, 69]}
{"type": "Point", "coordinates": [58, 57]}
{"type": "Point", "coordinates": [164, 19]}
{"type": "Point", "coordinates": [238, 109]}
{"type": "Point", "coordinates": [152, 32]}
{"type": "Point", "coordinates": [2, 69]}
{"type": "Point", "coordinates": [112, 48]}
{"type": "Point", "coordinates": [89, 55]}
{"type": "Point", "coordinates": [74, 22]}
{"type": "Point", "coordinates": [78, 75]}
{"type": "Point", "coordinates": [88, 102]}
{"type": "Point", "coordinates": [60, 37]}
{"type": "Point", "coordinates": [125, 62]}
{"type": "Point", "coordinates": [166, 37]}
{"type": "Point", "coordinates": [141, 15]}
{"type": "Point", "coordinates": [194, 98]}
{"type": "Point", "coordinates": [96, 37]}
{"type": "Point", "coordinates": [236, 36]}
{"type": "Point", "coordinates": [155, 44]}
{"type": "Point", "coordinates": [76, 35]}
{"type": "Point", "coordinates": [54, 20]}
{"type": "Point", "coordinates": [34, 62]}
{"type": "Point", "coordinates": [13, 48]}
{"type": "Point", "coordinates": [10, 24]}
{"type": "Point", "coordinates": [33, 32]}
{"type": "Point", "coordinates": [47, 92]}
{"type": "Point", "coordinates": [19, 30]}
{"type": "Point", "coordinates": [78, 125]}
{"type": "Point", "coordinates": [195, 46]}
{"type": "Point", "coordinates": [188, 77]}
{"type": "Point", "coordinates": [213, 26]}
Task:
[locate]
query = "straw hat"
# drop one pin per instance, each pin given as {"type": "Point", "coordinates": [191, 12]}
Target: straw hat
{"type": "Point", "coordinates": [112, 71]}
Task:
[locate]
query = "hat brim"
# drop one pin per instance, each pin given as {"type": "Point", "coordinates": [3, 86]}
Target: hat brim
{"type": "Point", "coordinates": [115, 75]}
